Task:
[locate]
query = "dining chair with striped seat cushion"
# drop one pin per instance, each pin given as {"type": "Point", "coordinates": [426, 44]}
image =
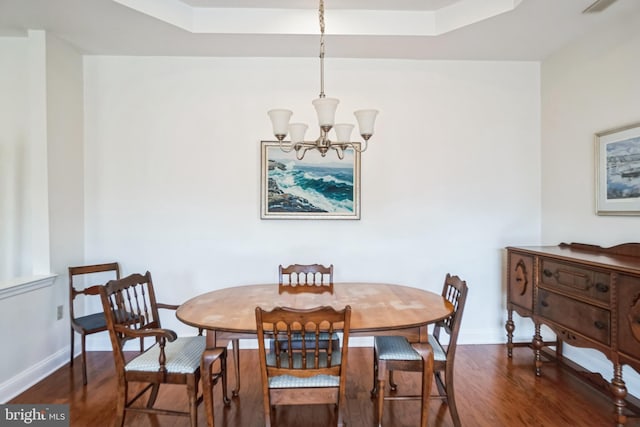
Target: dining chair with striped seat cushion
{"type": "Point", "coordinates": [397, 353]}
{"type": "Point", "coordinates": [307, 374]}
{"type": "Point", "coordinates": [171, 360]}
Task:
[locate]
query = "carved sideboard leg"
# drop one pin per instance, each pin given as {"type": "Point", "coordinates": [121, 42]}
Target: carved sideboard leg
{"type": "Point", "coordinates": [619, 391]}
{"type": "Point", "coordinates": [537, 344]}
{"type": "Point", "coordinates": [510, 327]}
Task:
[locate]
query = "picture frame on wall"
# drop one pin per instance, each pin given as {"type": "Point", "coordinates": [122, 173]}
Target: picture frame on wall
{"type": "Point", "coordinates": [618, 171]}
{"type": "Point", "coordinates": [315, 187]}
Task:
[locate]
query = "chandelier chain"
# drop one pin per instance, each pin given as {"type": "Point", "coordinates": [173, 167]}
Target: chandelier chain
{"type": "Point", "coordinates": [321, 19]}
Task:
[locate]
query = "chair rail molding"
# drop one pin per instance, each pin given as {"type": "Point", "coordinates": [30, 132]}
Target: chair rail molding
{"type": "Point", "coordinates": [21, 285]}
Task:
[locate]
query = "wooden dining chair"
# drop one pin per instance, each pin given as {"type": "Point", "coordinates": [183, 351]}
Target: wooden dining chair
{"type": "Point", "coordinates": [396, 353]}
{"type": "Point", "coordinates": [310, 374]}
{"type": "Point", "coordinates": [298, 278]}
{"type": "Point", "coordinates": [307, 278]}
{"type": "Point", "coordinates": [131, 311]}
{"type": "Point", "coordinates": [91, 323]}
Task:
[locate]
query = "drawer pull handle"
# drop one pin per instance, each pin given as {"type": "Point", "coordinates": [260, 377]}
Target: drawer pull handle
{"type": "Point", "coordinates": [547, 272]}
{"type": "Point", "coordinates": [598, 324]}
{"type": "Point", "coordinates": [601, 287]}
{"type": "Point", "coordinates": [544, 303]}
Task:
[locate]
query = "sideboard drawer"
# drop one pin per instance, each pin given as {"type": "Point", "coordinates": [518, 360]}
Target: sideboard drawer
{"type": "Point", "coordinates": [585, 319]}
{"type": "Point", "coordinates": [576, 280]}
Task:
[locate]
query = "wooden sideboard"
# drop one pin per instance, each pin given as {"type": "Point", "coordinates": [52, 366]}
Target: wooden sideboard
{"type": "Point", "coordinates": [587, 295]}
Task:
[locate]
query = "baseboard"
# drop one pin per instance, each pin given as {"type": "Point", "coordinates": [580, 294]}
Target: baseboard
{"type": "Point", "coordinates": [27, 378]}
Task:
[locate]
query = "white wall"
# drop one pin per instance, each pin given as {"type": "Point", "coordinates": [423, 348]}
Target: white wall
{"type": "Point", "coordinates": [44, 170]}
{"type": "Point", "coordinates": [452, 174]}
{"type": "Point", "coordinates": [588, 87]}
{"type": "Point", "coordinates": [13, 161]}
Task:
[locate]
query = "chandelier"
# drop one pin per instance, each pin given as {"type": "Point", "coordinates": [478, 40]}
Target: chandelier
{"type": "Point", "coordinates": [326, 110]}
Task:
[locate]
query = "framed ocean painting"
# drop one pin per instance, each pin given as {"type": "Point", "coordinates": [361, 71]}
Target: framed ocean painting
{"type": "Point", "coordinates": [315, 187]}
{"type": "Point", "coordinates": [618, 171]}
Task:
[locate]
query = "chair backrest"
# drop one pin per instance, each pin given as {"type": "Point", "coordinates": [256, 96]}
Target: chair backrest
{"type": "Point", "coordinates": [130, 307]}
{"type": "Point", "coordinates": [455, 291]}
{"type": "Point", "coordinates": [91, 272]}
{"type": "Point", "coordinates": [281, 324]}
{"type": "Point", "coordinates": [305, 278]}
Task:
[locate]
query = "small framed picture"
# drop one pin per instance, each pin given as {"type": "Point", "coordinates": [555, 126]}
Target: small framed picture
{"type": "Point", "coordinates": [618, 171]}
{"type": "Point", "coordinates": [315, 187]}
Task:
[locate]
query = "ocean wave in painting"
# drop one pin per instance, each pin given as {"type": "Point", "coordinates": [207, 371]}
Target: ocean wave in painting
{"type": "Point", "coordinates": [325, 189]}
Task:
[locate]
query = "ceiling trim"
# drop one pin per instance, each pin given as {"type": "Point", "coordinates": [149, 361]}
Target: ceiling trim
{"type": "Point", "coordinates": [216, 20]}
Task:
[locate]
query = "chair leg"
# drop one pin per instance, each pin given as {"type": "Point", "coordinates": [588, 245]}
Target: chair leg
{"type": "Point", "coordinates": [223, 367]}
{"type": "Point", "coordinates": [374, 388]}
{"type": "Point", "coordinates": [73, 333]}
{"type": "Point", "coordinates": [267, 411]}
{"type": "Point", "coordinates": [427, 380]}
{"type": "Point", "coordinates": [382, 373]}
{"type": "Point", "coordinates": [121, 402]}
{"type": "Point", "coordinates": [84, 360]}
{"type": "Point", "coordinates": [207, 374]}
{"type": "Point", "coordinates": [451, 400]}
{"type": "Point", "coordinates": [154, 395]}
{"type": "Point", "coordinates": [207, 387]}
{"type": "Point", "coordinates": [192, 391]}
{"type": "Point", "coordinates": [442, 390]}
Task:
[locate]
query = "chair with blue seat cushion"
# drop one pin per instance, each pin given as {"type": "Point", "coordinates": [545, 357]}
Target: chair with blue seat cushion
{"type": "Point", "coordinates": [83, 281]}
{"type": "Point", "coordinates": [131, 312]}
{"type": "Point", "coordinates": [397, 353]}
{"type": "Point", "coordinates": [306, 373]}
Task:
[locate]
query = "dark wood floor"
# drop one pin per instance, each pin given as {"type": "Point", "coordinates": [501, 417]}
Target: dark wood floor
{"type": "Point", "coordinates": [492, 391]}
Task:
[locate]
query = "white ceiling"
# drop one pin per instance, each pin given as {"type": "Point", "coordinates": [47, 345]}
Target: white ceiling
{"type": "Point", "coordinates": [413, 29]}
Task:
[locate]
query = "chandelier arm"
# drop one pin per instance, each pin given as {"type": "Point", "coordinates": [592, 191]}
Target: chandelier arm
{"type": "Point", "coordinates": [284, 148]}
{"type": "Point", "coordinates": [359, 147]}
{"type": "Point", "coordinates": [301, 150]}
{"type": "Point", "coordinates": [339, 150]}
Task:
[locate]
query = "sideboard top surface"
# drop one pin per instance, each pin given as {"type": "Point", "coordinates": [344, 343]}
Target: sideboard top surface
{"type": "Point", "coordinates": [624, 257]}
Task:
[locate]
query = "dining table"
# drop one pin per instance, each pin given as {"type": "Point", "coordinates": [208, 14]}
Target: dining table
{"type": "Point", "coordinates": [228, 314]}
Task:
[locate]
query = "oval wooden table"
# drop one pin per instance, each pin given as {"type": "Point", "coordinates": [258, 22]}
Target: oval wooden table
{"type": "Point", "coordinates": [376, 308]}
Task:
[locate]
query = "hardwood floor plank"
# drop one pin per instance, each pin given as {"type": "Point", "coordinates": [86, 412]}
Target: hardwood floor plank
{"type": "Point", "coordinates": [492, 391]}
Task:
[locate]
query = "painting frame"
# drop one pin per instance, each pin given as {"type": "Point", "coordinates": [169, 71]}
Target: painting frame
{"type": "Point", "coordinates": [301, 201]}
{"type": "Point", "coordinates": [617, 153]}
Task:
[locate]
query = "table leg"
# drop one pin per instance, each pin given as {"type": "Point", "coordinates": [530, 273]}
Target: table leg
{"type": "Point", "coordinates": [235, 343]}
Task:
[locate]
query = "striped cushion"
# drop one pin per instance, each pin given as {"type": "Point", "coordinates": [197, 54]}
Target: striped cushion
{"type": "Point", "coordinates": [336, 359]}
{"type": "Point", "coordinates": [399, 348]}
{"type": "Point", "coordinates": [288, 381]}
{"type": "Point", "coordinates": [395, 348]}
{"type": "Point", "coordinates": [183, 356]}
{"type": "Point", "coordinates": [323, 336]}
{"type": "Point", "coordinates": [439, 354]}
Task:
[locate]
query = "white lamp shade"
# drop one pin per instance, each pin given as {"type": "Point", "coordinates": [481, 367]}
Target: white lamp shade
{"type": "Point", "coordinates": [280, 121]}
{"type": "Point", "coordinates": [366, 120]}
{"type": "Point", "coordinates": [343, 131]}
{"type": "Point", "coordinates": [326, 110]}
{"type": "Point", "coordinates": [297, 131]}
